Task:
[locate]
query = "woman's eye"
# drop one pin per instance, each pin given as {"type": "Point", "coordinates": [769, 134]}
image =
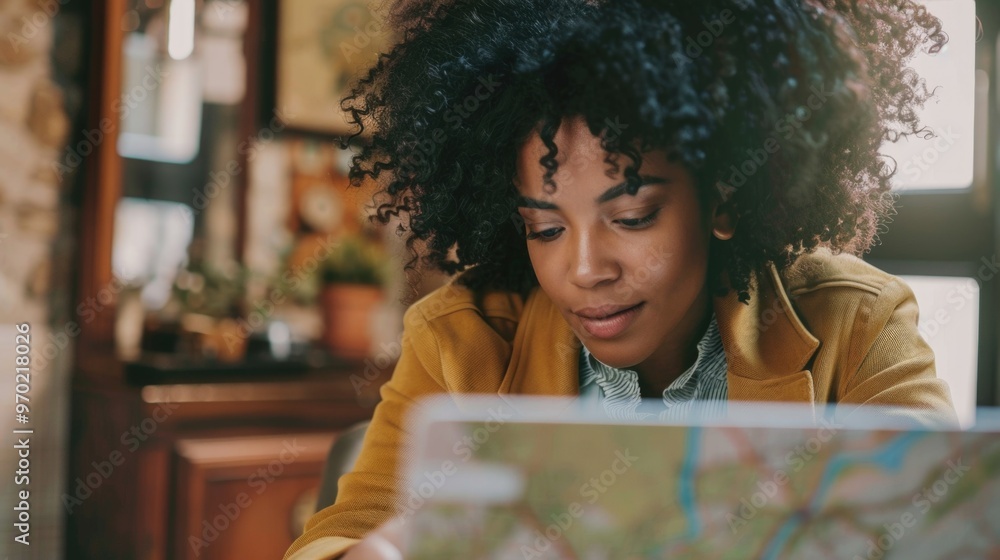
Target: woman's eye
{"type": "Point", "coordinates": [639, 222]}
{"type": "Point", "coordinates": [552, 233]}
{"type": "Point", "coordinates": [545, 235]}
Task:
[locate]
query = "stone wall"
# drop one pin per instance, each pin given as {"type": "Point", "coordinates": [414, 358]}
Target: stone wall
{"type": "Point", "coordinates": [36, 223]}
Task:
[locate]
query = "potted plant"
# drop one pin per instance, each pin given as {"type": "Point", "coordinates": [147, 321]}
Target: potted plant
{"type": "Point", "coordinates": [352, 286]}
{"type": "Point", "coordinates": [209, 297]}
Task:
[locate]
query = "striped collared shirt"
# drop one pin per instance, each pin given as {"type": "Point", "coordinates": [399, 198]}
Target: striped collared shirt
{"type": "Point", "coordinates": [618, 389]}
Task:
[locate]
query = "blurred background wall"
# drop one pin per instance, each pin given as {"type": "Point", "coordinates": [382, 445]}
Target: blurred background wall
{"type": "Point", "coordinates": [39, 102]}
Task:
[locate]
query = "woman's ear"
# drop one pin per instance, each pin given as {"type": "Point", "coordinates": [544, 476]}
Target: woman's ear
{"type": "Point", "coordinates": [723, 215]}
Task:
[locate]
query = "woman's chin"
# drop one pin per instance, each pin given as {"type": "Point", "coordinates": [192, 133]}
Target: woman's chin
{"type": "Point", "coordinates": [613, 357]}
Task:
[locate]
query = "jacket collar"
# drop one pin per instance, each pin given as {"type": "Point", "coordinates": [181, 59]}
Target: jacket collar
{"type": "Point", "coordinates": [767, 347]}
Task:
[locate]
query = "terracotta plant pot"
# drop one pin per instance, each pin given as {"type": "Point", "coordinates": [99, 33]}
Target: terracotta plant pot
{"type": "Point", "coordinates": [348, 310]}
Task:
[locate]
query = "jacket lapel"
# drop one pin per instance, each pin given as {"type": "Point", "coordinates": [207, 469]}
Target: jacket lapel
{"type": "Point", "coordinates": [545, 357]}
{"type": "Point", "coordinates": [767, 347]}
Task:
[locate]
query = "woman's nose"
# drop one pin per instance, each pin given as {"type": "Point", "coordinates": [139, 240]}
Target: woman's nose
{"type": "Point", "coordinates": [592, 262]}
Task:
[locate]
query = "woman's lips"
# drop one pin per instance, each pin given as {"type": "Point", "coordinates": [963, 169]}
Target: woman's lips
{"type": "Point", "coordinates": [612, 325]}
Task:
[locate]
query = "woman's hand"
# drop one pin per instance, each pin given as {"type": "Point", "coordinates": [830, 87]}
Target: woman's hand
{"type": "Point", "coordinates": [384, 543]}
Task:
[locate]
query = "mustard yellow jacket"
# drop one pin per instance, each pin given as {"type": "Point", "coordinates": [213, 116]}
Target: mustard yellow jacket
{"type": "Point", "coordinates": [832, 328]}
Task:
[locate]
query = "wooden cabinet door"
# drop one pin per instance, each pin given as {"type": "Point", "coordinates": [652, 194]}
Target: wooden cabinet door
{"type": "Point", "coordinates": [244, 497]}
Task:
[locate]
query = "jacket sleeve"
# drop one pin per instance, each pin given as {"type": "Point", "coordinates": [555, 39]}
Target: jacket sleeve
{"type": "Point", "coordinates": [366, 497]}
{"type": "Point", "coordinates": [890, 363]}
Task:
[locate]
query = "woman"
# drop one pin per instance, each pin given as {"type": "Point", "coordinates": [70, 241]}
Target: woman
{"type": "Point", "coordinates": [643, 199]}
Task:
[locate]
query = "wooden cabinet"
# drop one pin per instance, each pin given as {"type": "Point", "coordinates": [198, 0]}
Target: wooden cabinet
{"type": "Point", "coordinates": [216, 470]}
{"type": "Point", "coordinates": [245, 497]}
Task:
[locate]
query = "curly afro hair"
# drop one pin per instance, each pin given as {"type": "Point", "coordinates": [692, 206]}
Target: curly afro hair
{"type": "Point", "coordinates": [778, 105]}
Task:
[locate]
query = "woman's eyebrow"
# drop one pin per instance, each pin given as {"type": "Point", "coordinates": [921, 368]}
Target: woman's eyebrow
{"type": "Point", "coordinates": [619, 189]}
{"type": "Point", "coordinates": [610, 194]}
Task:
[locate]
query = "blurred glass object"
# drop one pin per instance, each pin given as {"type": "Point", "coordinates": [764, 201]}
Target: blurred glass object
{"type": "Point", "coordinates": [949, 322]}
{"type": "Point", "coordinates": [221, 44]}
{"type": "Point", "coordinates": [279, 335]}
{"type": "Point", "coordinates": [155, 247]}
{"type": "Point", "coordinates": [180, 40]}
{"type": "Point", "coordinates": [129, 325]}
{"type": "Point", "coordinates": [944, 161]}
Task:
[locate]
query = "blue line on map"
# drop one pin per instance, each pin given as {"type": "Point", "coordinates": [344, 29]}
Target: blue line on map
{"type": "Point", "coordinates": [889, 456]}
{"type": "Point", "coordinates": [782, 535]}
{"type": "Point", "coordinates": [686, 490]}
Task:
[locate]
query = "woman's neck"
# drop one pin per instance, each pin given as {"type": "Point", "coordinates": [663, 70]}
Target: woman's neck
{"type": "Point", "coordinates": [679, 352]}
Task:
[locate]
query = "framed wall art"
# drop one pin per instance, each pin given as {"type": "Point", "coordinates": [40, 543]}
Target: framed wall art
{"type": "Point", "coordinates": [323, 45]}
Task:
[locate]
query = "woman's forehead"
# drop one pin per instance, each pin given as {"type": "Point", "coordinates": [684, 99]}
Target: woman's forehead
{"type": "Point", "coordinates": [586, 164]}
{"type": "Point", "coordinates": [573, 139]}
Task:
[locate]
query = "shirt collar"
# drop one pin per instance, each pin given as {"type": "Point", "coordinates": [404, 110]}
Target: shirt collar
{"type": "Point", "coordinates": [599, 371]}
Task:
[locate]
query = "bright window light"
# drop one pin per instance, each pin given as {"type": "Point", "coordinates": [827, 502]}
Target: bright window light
{"type": "Point", "coordinates": [945, 161]}
{"type": "Point", "coordinates": [949, 322]}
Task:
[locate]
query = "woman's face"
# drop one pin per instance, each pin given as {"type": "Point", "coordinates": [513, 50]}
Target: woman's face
{"type": "Point", "coordinates": [593, 245]}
